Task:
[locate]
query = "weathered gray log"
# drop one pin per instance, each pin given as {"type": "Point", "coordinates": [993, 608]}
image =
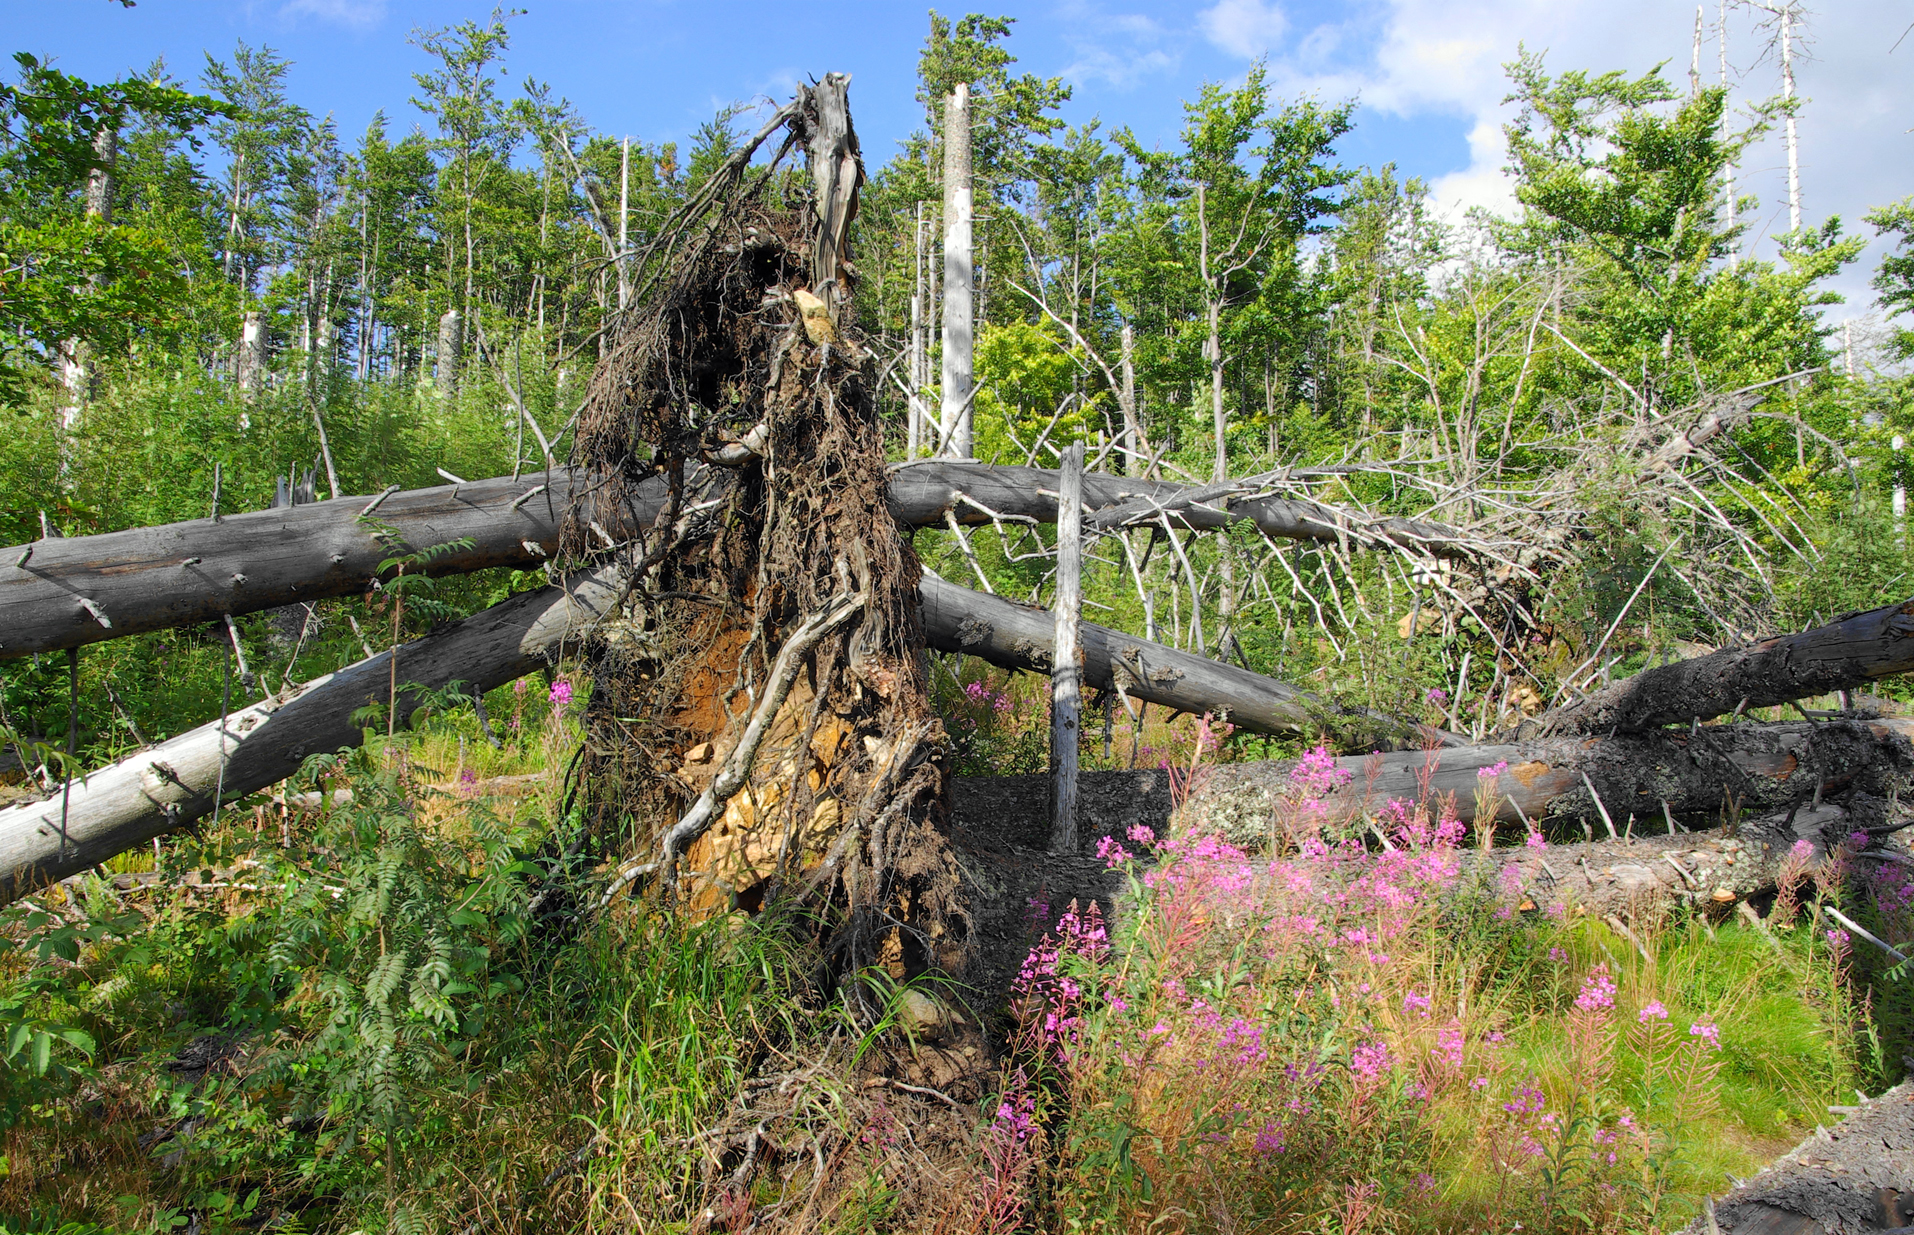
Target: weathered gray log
{"type": "Point", "coordinates": [1750, 769]}
{"type": "Point", "coordinates": [1852, 1177]}
{"type": "Point", "coordinates": [922, 492]}
{"type": "Point", "coordinates": [71, 591]}
{"type": "Point", "coordinates": [1013, 636]}
{"type": "Point", "coordinates": [167, 786]}
{"type": "Point", "coordinates": [76, 590]}
{"type": "Point", "coordinates": [1848, 652]}
{"type": "Point", "coordinates": [118, 807]}
{"type": "Point", "coordinates": [1712, 867]}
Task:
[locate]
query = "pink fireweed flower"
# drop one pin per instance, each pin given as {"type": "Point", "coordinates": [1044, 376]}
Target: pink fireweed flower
{"type": "Point", "coordinates": [1652, 1012]}
{"type": "Point", "coordinates": [1244, 1039]}
{"type": "Point", "coordinates": [1493, 771]}
{"type": "Point", "coordinates": [1528, 1100]}
{"type": "Point", "coordinates": [1269, 1142]}
{"type": "Point", "coordinates": [1141, 834]}
{"type": "Point", "coordinates": [1016, 1114]}
{"type": "Point", "coordinates": [520, 687]}
{"type": "Point", "coordinates": [1449, 1044]}
{"type": "Point", "coordinates": [1416, 1002]}
{"type": "Point", "coordinates": [1535, 840]}
{"type": "Point", "coordinates": [560, 695]}
{"type": "Point", "coordinates": [1802, 850]}
{"type": "Point", "coordinates": [1511, 879]}
{"type": "Point", "coordinates": [1598, 991]}
{"type": "Point", "coordinates": [1436, 695]}
{"type": "Point", "coordinates": [1113, 854]}
{"type": "Point", "coordinates": [1370, 1060]}
{"type": "Point", "coordinates": [1160, 1029]}
{"type": "Point", "coordinates": [1557, 955]}
{"type": "Point", "coordinates": [1707, 1031]}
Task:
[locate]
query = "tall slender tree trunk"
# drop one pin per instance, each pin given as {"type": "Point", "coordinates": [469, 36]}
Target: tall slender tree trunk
{"type": "Point", "coordinates": [251, 362]}
{"type": "Point", "coordinates": [1728, 172]}
{"type": "Point", "coordinates": [918, 351]}
{"type": "Point", "coordinates": [1694, 60]}
{"type": "Point", "coordinates": [1787, 95]}
{"type": "Point", "coordinates": [363, 367]}
{"type": "Point", "coordinates": [1134, 439]}
{"type": "Point", "coordinates": [624, 222]}
{"type": "Point", "coordinates": [1066, 673]}
{"type": "Point", "coordinates": [959, 373]}
{"type": "Point", "coordinates": [451, 349]}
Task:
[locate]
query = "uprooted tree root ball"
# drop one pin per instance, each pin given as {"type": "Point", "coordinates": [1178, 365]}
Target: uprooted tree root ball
{"type": "Point", "coordinates": [760, 728]}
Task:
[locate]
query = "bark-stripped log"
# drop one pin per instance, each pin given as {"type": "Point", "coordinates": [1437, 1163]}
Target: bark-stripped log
{"type": "Point", "coordinates": [179, 574]}
{"type": "Point", "coordinates": [1848, 652]}
{"type": "Point", "coordinates": [922, 492]}
{"type": "Point", "coordinates": [1013, 636]}
{"type": "Point", "coordinates": [1748, 768]}
{"type": "Point", "coordinates": [167, 786]}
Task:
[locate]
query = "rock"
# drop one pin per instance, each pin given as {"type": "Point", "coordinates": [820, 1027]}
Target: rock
{"type": "Point", "coordinates": [926, 1014]}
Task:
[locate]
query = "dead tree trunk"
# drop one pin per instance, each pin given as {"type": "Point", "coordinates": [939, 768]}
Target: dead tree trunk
{"type": "Point", "coordinates": [116, 808]}
{"type": "Point", "coordinates": [1852, 1177]}
{"type": "Point", "coordinates": [1700, 775]}
{"type": "Point", "coordinates": [179, 574]}
{"type": "Point", "coordinates": [71, 591]}
{"type": "Point", "coordinates": [1066, 673]}
{"type": "Point", "coordinates": [1848, 652]}
{"type": "Point", "coordinates": [1013, 636]}
{"type": "Point", "coordinates": [959, 277]}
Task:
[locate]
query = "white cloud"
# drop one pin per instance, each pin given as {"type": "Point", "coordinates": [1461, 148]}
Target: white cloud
{"type": "Point", "coordinates": [1428, 59]}
{"type": "Point", "coordinates": [1120, 49]}
{"type": "Point", "coordinates": [359, 14]}
{"type": "Point", "coordinates": [1244, 27]}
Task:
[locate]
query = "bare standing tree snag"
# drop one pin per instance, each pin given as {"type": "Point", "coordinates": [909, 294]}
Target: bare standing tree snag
{"type": "Point", "coordinates": [451, 352]}
{"type": "Point", "coordinates": [250, 364]}
{"type": "Point", "coordinates": [1785, 17]}
{"type": "Point", "coordinates": [760, 724]}
{"type": "Point", "coordinates": [958, 277]}
{"type": "Point", "coordinates": [1066, 717]}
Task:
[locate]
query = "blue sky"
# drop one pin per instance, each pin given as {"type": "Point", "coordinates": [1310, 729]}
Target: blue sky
{"type": "Point", "coordinates": [1427, 71]}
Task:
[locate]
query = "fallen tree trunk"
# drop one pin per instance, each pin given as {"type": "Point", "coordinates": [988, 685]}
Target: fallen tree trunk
{"type": "Point", "coordinates": [1698, 775]}
{"type": "Point", "coordinates": [1014, 636]}
{"type": "Point", "coordinates": [1850, 1179]}
{"type": "Point", "coordinates": [72, 591]}
{"type": "Point", "coordinates": [1847, 652]}
{"type": "Point", "coordinates": [922, 492]}
{"type": "Point", "coordinates": [116, 808]}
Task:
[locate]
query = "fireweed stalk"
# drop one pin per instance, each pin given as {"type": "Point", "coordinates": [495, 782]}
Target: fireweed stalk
{"type": "Point", "coordinates": [1304, 1027]}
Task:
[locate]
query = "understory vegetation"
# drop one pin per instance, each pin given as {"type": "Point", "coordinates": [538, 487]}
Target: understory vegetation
{"type": "Point", "coordinates": [385, 995]}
